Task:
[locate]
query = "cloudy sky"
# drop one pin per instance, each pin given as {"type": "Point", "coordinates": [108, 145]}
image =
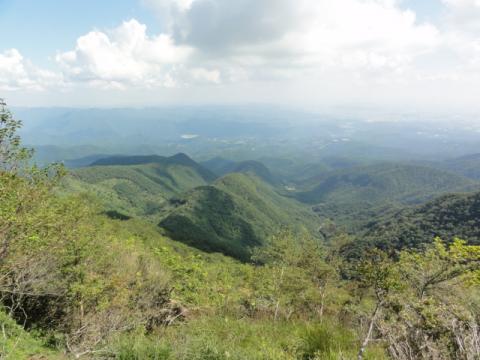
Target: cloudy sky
{"type": "Point", "coordinates": [413, 53]}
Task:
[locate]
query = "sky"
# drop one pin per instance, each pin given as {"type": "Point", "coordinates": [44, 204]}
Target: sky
{"type": "Point", "coordinates": [304, 53]}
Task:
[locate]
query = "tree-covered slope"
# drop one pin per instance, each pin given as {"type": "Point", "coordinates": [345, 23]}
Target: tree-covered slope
{"type": "Point", "coordinates": [379, 183]}
{"type": "Point", "coordinates": [453, 215]}
{"type": "Point", "coordinates": [178, 159]}
{"type": "Point", "coordinates": [233, 215]}
{"type": "Point", "coordinates": [221, 167]}
{"type": "Point", "coordinates": [138, 185]}
{"type": "Point", "coordinates": [468, 166]}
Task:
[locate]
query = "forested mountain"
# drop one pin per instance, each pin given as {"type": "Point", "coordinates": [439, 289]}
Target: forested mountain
{"type": "Point", "coordinates": [378, 183]}
{"type": "Point", "coordinates": [178, 159]}
{"type": "Point", "coordinates": [468, 165]}
{"type": "Point", "coordinates": [222, 167]}
{"type": "Point", "coordinates": [219, 165]}
{"type": "Point", "coordinates": [138, 185]}
{"type": "Point", "coordinates": [233, 215]}
{"type": "Point", "coordinates": [450, 216]}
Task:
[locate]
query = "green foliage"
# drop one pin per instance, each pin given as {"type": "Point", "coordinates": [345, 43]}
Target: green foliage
{"type": "Point", "coordinates": [138, 186]}
{"type": "Point", "coordinates": [468, 165]}
{"type": "Point", "coordinates": [236, 213]}
{"type": "Point", "coordinates": [18, 344]}
{"type": "Point", "coordinates": [223, 167]}
{"type": "Point", "coordinates": [139, 347]}
{"type": "Point", "coordinates": [418, 312]}
{"type": "Point", "coordinates": [68, 270]}
{"type": "Point", "coordinates": [325, 341]}
{"type": "Point", "coordinates": [12, 154]}
{"type": "Point", "coordinates": [374, 183]}
{"type": "Point", "coordinates": [178, 159]}
{"type": "Point", "coordinates": [64, 269]}
{"type": "Point", "coordinates": [446, 217]}
{"type": "Point", "coordinates": [228, 338]}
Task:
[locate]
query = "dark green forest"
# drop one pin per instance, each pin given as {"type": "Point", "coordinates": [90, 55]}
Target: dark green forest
{"type": "Point", "coordinates": [165, 257]}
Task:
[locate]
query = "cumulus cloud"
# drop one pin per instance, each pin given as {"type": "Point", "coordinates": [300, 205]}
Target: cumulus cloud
{"type": "Point", "coordinates": [283, 39]}
{"type": "Point", "coordinates": [18, 73]}
{"type": "Point", "coordinates": [124, 56]}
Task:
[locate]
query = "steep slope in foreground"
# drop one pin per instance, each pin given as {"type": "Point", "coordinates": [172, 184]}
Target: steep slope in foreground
{"type": "Point", "coordinates": [139, 185]}
{"type": "Point", "coordinates": [454, 215]}
{"type": "Point", "coordinates": [234, 214]}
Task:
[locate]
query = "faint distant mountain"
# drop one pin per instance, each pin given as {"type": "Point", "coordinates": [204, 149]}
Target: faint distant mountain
{"type": "Point", "coordinates": [84, 161]}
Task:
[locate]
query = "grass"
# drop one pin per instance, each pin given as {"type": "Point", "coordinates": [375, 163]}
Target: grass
{"type": "Point", "coordinates": [18, 344]}
{"type": "Point", "coordinates": [225, 338]}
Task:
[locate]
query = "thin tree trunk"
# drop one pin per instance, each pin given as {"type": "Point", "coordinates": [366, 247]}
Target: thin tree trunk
{"type": "Point", "coordinates": [367, 339]}
{"type": "Point", "coordinates": [277, 305]}
{"type": "Point", "coordinates": [323, 290]}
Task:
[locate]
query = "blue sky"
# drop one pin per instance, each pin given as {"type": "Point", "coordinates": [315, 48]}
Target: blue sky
{"type": "Point", "coordinates": [39, 28]}
{"type": "Point", "coordinates": [426, 10]}
{"type": "Point", "coordinates": [148, 52]}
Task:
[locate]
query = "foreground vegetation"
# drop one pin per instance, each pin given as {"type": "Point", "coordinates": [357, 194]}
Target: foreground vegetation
{"type": "Point", "coordinates": [76, 283]}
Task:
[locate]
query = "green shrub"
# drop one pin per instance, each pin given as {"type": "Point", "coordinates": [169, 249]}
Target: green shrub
{"type": "Point", "coordinates": [141, 348]}
{"type": "Point", "coordinates": [324, 341]}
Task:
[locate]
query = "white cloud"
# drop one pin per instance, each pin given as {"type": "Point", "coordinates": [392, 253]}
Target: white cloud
{"type": "Point", "coordinates": [204, 75]}
{"type": "Point", "coordinates": [462, 3]}
{"type": "Point", "coordinates": [356, 34]}
{"type": "Point", "coordinates": [461, 34]}
{"type": "Point", "coordinates": [164, 5]}
{"type": "Point", "coordinates": [462, 15]}
{"type": "Point", "coordinates": [270, 38]}
{"type": "Point", "coordinates": [17, 73]}
{"type": "Point", "coordinates": [122, 57]}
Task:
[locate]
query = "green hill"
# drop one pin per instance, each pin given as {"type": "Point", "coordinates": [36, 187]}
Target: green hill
{"type": "Point", "coordinates": [299, 169]}
{"type": "Point", "coordinates": [234, 214]}
{"type": "Point", "coordinates": [178, 159]}
{"type": "Point", "coordinates": [255, 168]}
{"type": "Point", "coordinates": [453, 215]}
{"type": "Point", "coordinates": [376, 183]}
{"type": "Point", "coordinates": [139, 185]}
{"type": "Point", "coordinates": [221, 167]}
{"type": "Point", "coordinates": [468, 166]}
